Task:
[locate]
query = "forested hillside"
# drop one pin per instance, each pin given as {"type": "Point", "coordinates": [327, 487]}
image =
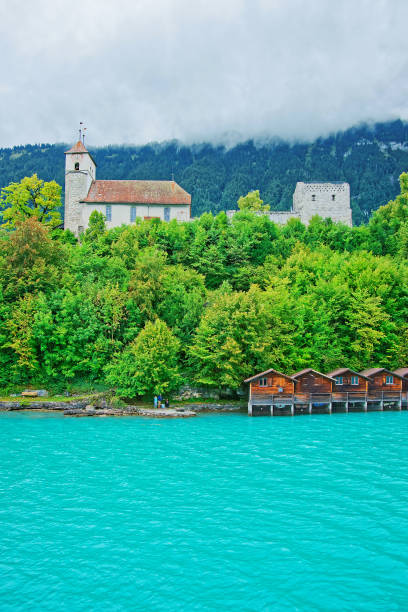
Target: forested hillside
{"type": "Point", "coordinates": [144, 307]}
{"type": "Point", "coordinates": [369, 158]}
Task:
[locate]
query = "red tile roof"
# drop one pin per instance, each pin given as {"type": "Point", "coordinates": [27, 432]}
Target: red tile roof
{"type": "Point", "coordinates": [79, 147]}
{"type": "Point", "coordinates": [137, 192]}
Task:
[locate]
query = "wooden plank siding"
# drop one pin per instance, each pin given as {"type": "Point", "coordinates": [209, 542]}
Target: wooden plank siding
{"type": "Point", "coordinates": [312, 382]}
{"type": "Point", "coordinates": [378, 383]}
{"type": "Point", "coordinates": [347, 387]}
{"type": "Point", "coordinates": [274, 382]}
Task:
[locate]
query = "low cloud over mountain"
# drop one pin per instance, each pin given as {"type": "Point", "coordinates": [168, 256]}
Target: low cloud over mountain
{"type": "Point", "coordinates": [227, 70]}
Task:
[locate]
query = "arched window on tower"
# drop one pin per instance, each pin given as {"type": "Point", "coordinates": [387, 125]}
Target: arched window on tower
{"type": "Point", "coordinates": [76, 165]}
{"type": "Point", "coordinates": [313, 198]}
{"type": "Point", "coordinates": [333, 197]}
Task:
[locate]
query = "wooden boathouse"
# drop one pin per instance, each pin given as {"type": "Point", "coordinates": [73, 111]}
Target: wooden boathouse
{"type": "Point", "coordinates": [272, 393]}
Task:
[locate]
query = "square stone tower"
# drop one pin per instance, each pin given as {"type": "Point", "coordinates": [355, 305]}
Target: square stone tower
{"type": "Point", "coordinates": [80, 171]}
{"type": "Point", "coordinates": [331, 199]}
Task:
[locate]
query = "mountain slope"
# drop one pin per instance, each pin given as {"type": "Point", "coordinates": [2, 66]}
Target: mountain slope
{"type": "Point", "coordinates": [369, 158]}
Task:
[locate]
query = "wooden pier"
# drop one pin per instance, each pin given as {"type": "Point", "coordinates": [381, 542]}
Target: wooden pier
{"type": "Point", "coordinates": [326, 403]}
{"type": "Point", "coordinates": [272, 393]}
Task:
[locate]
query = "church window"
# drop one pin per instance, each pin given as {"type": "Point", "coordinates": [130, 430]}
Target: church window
{"type": "Point", "coordinates": [132, 214]}
{"type": "Point", "coordinates": [313, 198]}
{"type": "Point", "coordinates": [333, 197]}
{"type": "Point", "coordinates": [108, 212]}
{"type": "Point", "coordinates": [167, 213]}
{"type": "Point", "coordinates": [76, 165]}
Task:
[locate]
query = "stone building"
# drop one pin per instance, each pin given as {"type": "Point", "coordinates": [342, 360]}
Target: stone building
{"type": "Point", "coordinates": [120, 201]}
{"type": "Point", "coordinates": [328, 200]}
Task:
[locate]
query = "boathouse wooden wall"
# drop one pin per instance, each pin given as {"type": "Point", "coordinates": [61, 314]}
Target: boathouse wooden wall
{"type": "Point", "coordinates": [347, 387]}
{"type": "Point", "coordinates": [311, 382]}
{"type": "Point", "coordinates": [274, 384]}
{"type": "Point", "coordinates": [377, 382]}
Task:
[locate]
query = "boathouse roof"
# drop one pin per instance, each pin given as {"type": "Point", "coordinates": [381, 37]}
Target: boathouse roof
{"type": "Point", "coordinates": [341, 371]}
{"type": "Point", "coordinates": [373, 371]}
{"type": "Point", "coordinates": [268, 372]}
{"type": "Point", "coordinates": [401, 372]}
{"type": "Point", "coordinates": [308, 371]}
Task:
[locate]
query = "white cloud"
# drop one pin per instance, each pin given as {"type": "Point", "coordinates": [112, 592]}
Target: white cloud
{"type": "Point", "coordinates": [137, 70]}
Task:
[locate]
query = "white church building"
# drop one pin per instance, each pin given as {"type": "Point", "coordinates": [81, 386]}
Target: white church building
{"type": "Point", "coordinates": [119, 201]}
{"type": "Point", "coordinates": [122, 201]}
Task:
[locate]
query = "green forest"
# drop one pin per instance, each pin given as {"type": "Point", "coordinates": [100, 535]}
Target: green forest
{"type": "Point", "coordinates": [146, 307]}
{"type": "Point", "coordinates": [370, 158]}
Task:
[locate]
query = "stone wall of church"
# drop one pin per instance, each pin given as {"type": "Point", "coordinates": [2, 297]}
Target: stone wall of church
{"type": "Point", "coordinates": [80, 171]}
{"type": "Point", "coordinates": [76, 188]}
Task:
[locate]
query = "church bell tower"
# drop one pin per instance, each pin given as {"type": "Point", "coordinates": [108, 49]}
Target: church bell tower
{"type": "Point", "coordinates": [80, 171]}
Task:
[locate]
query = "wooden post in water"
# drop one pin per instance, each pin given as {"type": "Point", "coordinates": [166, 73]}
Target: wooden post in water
{"type": "Point", "coordinates": [347, 402]}
{"type": "Point", "coordinates": [400, 401]}
{"type": "Point", "coordinates": [382, 400]}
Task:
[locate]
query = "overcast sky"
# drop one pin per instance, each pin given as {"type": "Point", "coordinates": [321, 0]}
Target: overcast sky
{"type": "Point", "coordinates": [137, 71]}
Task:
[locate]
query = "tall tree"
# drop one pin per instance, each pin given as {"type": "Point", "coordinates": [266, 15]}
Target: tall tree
{"type": "Point", "coordinates": [31, 197]}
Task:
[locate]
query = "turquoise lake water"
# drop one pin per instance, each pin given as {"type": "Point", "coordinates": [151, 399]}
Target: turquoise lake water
{"type": "Point", "coordinates": [218, 512]}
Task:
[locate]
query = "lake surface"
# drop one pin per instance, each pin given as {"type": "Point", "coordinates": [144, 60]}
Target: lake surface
{"type": "Point", "coordinates": [218, 512]}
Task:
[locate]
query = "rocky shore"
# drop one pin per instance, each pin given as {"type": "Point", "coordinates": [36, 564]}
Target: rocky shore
{"type": "Point", "coordinates": [101, 408]}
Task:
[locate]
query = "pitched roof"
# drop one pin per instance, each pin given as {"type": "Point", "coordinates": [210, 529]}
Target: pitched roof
{"type": "Point", "coordinates": [140, 192]}
{"type": "Point", "coordinates": [307, 370]}
{"type": "Point", "coordinates": [79, 147]}
{"type": "Point", "coordinates": [268, 372]}
{"type": "Point", "coordinates": [341, 371]}
{"type": "Point", "coordinates": [401, 372]}
{"type": "Point", "coordinates": [372, 371]}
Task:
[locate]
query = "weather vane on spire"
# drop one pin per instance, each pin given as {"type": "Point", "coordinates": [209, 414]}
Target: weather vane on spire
{"type": "Point", "coordinates": [83, 136]}
{"type": "Point", "coordinates": [80, 130]}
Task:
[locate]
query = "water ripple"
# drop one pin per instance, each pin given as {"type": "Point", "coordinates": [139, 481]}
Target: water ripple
{"type": "Point", "coordinates": [221, 512]}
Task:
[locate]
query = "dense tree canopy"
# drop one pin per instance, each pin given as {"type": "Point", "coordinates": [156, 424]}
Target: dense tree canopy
{"type": "Point", "coordinates": [146, 306]}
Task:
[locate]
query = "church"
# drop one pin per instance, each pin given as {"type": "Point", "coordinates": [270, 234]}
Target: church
{"type": "Point", "coordinates": [119, 201]}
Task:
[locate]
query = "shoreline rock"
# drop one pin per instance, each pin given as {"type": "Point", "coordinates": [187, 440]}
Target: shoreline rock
{"type": "Point", "coordinates": [129, 411]}
{"type": "Point", "coordinates": [84, 408]}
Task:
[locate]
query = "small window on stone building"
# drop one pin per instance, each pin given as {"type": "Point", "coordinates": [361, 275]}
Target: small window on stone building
{"type": "Point", "coordinates": [333, 197]}
{"type": "Point", "coordinates": [313, 198]}
{"type": "Point", "coordinates": [132, 214]}
{"type": "Point", "coordinates": [76, 165]}
{"type": "Point", "coordinates": [108, 212]}
{"type": "Point", "coordinates": [167, 213]}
